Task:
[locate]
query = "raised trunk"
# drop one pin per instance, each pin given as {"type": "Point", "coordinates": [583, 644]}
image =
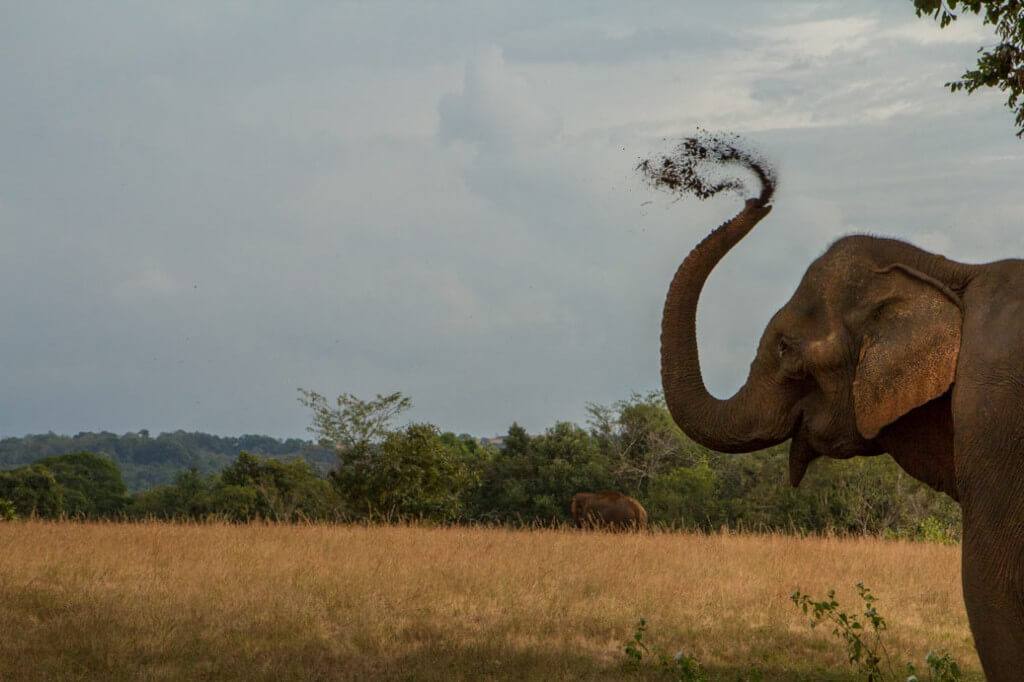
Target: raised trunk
{"type": "Point", "coordinates": [750, 420]}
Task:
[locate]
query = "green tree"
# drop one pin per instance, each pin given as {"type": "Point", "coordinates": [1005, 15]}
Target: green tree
{"type": "Point", "coordinates": [568, 460]}
{"type": "Point", "coordinates": [503, 492]}
{"type": "Point", "coordinates": [1001, 66]}
{"type": "Point", "coordinates": [383, 471]}
{"type": "Point", "coordinates": [280, 491]}
{"type": "Point", "coordinates": [687, 496]}
{"type": "Point", "coordinates": [33, 491]}
{"type": "Point", "coordinates": [641, 438]}
{"type": "Point", "coordinates": [533, 478]}
{"type": "Point", "coordinates": [239, 503]}
{"type": "Point", "coordinates": [352, 424]}
{"type": "Point", "coordinates": [418, 474]}
{"type": "Point", "coordinates": [90, 485]}
{"type": "Point", "coordinates": [187, 497]}
{"type": "Point", "coordinates": [355, 429]}
{"type": "Point", "coordinates": [250, 488]}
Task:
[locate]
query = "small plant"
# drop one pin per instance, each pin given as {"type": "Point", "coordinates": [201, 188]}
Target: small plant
{"type": "Point", "coordinates": [684, 668]}
{"type": "Point", "coordinates": [865, 647]}
{"type": "Point", "coordinates": [941, 668]}
{"type": "Point", "coordinates": [635, 647]}
{"type": "Point", "coordinates": [681, 667]}
{"type": "Point", "coordinates": [933, 530]}
{"type": "Point", "coordinates": [7, 511]}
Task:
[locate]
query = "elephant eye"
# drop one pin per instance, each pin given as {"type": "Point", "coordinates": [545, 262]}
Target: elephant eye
{"type": "Point", "coordinates": [792, 364]}
{"type": "Point", "coordinates": [881, 308]}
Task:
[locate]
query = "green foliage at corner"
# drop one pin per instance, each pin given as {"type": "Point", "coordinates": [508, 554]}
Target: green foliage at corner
{"type": "Point", "coordinates": [1000, 66]}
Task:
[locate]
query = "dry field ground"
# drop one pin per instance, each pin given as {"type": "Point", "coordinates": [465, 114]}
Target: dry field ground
{"type": "Point", "coordinates": [219, 602]}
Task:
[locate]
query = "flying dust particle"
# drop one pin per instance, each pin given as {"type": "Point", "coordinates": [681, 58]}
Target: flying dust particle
{"type": "Point", "coordinates": [695, 167]}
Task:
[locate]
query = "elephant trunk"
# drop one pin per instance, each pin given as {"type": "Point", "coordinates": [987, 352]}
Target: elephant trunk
{"type": "Point", "coordinates": [756, 416]}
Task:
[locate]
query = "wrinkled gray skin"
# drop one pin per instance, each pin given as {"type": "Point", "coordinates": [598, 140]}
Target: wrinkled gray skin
{"type": "Point", "coordinates": [607, 510]}
{"type": "Point", "coordinates": [885, 348]}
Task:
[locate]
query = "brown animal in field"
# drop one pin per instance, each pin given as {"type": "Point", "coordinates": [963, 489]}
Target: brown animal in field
{"type": "Point", "coordinates": [608, 510]}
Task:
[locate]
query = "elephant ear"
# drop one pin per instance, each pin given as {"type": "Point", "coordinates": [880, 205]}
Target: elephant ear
{"type": "Point", "coordinates": [909, 350]}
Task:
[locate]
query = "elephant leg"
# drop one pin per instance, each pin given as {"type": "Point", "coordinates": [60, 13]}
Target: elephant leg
{"type": "Point", "coordinates": [989, 460]}
{"type": "Point", "coordinates": [993, 608]}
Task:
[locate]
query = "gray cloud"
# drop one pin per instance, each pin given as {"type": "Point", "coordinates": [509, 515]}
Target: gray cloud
{"type": "Point", "coordinates": [204, 208]}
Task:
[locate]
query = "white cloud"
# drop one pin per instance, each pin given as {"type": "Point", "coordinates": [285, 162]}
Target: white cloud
{"type": "Point", "coordinates": [496, 105]}
{"type": "Point", "coordinates": [966, 30]}
{"type": "Point", "coordinates": [821, 38]}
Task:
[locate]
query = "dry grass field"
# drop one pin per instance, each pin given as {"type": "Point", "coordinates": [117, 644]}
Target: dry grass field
{"type": "Point", "coordinates": [219, 602]}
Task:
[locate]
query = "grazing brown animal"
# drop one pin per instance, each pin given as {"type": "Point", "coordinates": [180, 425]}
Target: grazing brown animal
{"type": "Point", "coordinates": [608, 510]}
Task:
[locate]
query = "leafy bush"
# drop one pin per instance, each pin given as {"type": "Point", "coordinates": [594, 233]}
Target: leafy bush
{"type": "Point", "coordinates": [680, 668]}
{"type": "Point", "coordinates": [33, 491]}
{"type": "Point", "coordinates": [90, 485]}
{"type": "Point", "coordinates": [862, 634]}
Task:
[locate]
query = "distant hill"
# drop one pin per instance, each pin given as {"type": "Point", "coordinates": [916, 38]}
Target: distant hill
{"type": "Point", "coordinates": [146, 461]}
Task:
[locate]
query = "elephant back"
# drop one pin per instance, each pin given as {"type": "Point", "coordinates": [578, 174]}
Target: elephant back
{"type": "Point", "coordinates": [607, 509]}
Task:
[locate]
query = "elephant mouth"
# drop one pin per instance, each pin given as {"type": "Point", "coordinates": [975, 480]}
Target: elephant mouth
{"type": "Point", "coordinates": [801, 454]}
{"type": "Point", "coordinates": [806, 446]}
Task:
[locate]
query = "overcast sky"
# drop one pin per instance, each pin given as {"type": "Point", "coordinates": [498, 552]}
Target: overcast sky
{"type": "Point", "coordinates": [205, 206]}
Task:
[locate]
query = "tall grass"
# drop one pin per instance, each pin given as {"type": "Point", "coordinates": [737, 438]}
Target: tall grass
{"type": "Point", "coordinates": [178, 601]}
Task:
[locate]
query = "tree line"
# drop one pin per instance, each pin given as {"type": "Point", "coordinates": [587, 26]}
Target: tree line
{"type": "Point", "coordinates": [146, 461]}
{"type": "Point", "coordinates": [380, 472]}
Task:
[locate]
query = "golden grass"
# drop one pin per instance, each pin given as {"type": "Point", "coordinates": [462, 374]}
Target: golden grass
{"type": "Point", "coordinates": [164, 601]}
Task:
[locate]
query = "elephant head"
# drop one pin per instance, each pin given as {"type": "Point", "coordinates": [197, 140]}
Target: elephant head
{"type": "Point", "coordinates": [883, 347]}
{"type": "Point", "coordinates": [858, 362]}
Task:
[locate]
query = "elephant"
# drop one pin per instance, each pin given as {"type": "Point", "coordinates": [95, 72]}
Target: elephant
{"type": "Point", "coordinates": [883, 348]}
{"type": "Point", "coordinates": [608, 510]}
